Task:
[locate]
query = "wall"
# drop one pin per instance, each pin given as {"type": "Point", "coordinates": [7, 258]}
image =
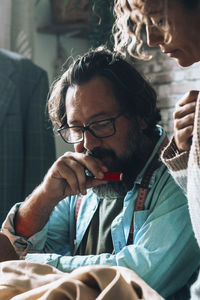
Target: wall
{"type": "Point", "coordinates": [170, 81]}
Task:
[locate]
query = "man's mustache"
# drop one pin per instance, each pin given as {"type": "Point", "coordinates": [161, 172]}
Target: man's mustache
{"type": "Point", "coordinates": [101, 153]}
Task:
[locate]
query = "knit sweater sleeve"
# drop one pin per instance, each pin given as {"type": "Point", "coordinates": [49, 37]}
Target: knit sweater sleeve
{"type": "Point", "coordinates": [177, 163]}
{"type": "Point", "coordinates": [193, 188]}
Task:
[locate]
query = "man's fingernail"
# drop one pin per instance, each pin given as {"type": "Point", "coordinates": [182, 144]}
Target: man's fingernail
{"type": "Point", "coordinates": [100, 174]}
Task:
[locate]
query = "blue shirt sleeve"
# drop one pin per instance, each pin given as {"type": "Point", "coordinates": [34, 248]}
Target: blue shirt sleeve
{"type": "Point", "coordinates": [164, 247]}
{"type": "Point", "coordinates": [164, 254]}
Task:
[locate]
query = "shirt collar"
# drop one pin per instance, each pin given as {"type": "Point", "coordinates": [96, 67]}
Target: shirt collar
{"type": "Point", "coordinates": [162, 135]}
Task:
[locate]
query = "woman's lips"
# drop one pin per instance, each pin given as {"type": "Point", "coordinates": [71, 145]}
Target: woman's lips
{"type": "Point", "coordinates": [170, 53]}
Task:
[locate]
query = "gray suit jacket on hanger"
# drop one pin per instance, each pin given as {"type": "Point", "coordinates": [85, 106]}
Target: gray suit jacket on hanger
{"type": "Point", "coordinates": [27, 147]}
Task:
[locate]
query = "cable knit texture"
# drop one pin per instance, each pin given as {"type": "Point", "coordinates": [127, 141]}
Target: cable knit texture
{"type": "Point", "coordinates": [188, 177]}
{"type": "Point", "coordinates": [177, 163]}
{"type": "Point", "coordinates": [193, 186]}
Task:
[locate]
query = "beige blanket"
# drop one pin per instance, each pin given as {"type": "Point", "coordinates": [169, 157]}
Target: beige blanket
{"type": "Point", "coordinates": [20, 280]}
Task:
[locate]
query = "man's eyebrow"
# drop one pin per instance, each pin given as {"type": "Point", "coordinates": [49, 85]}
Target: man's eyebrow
{"type": "Point", "coordinates": [98, 115]}
{"type": "Point", "coordinates": [91, 118]}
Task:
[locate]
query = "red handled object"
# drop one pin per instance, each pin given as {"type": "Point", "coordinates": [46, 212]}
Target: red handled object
{"type": "Point", "coordinates": [113, 176]}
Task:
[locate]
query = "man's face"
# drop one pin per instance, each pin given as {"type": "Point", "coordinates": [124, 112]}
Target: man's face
{"type": "Point", "coordinates": [95, 101]}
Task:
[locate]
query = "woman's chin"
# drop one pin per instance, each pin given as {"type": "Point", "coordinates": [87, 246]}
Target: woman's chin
{"type": "Point", "coordinates": [186, 62]}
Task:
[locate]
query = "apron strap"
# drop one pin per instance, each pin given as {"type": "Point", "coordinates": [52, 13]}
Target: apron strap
{"type": "Point", "coordinates": [143, 190]}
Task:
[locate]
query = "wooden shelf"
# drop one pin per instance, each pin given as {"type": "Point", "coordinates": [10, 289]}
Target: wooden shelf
{"type": "Point", "coordinates": [78, 28]}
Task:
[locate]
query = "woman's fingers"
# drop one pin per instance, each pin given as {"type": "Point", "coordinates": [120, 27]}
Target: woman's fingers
{"type": "Point", "coordinates": [184, 120]}
{"type": "Point", "coordinates": [183, 131]}
{"type": "Point", "coordinates": [182, 111]}
{"type": "Point", "coordinates": [183, 138]}
{"type": "Point", "coordinates": [188, 98]}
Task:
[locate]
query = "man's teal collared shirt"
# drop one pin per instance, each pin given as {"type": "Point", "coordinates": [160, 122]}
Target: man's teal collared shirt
{"type": "Point", "coordinates": [164, 252]}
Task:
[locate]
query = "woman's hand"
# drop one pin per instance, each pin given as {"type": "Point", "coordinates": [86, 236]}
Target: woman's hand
{"type": "Point", "coordinates": [184, 120]}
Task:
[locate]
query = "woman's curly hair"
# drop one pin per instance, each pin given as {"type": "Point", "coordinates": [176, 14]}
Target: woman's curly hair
{"type": "Point", "coordinates": [129, 21]}
{"type": "Point", "coordinates": [127, 29]}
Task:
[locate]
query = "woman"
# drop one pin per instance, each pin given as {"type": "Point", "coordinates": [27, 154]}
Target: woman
{"type": "Point", "coordinates": [174, 26]}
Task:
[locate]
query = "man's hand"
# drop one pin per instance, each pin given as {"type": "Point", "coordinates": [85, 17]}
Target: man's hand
{"type": "Point", "coordinates": [66, 177]}
{"type": "Point", "coordinates": [7, 251]}
{"type": "Point", "coordinates": [184, 120]}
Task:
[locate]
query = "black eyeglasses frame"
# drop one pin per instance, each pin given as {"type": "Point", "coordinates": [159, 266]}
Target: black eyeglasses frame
{"type": "Point", "coordinates": [87, 128]}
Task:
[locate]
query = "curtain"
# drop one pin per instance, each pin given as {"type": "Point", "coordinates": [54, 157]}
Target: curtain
{"type": "Point", "coordinates": [5, 23]}
{"type": "Point", "coordinates": [16, 21]}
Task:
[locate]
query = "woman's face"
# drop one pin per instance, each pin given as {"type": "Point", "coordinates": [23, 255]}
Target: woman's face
{"type": "Point", "coordinates": [182, 25]}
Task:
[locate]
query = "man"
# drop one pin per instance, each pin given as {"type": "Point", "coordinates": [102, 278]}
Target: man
{"type": "Point", "coordinates": [27, 143]}
{"type": "Point", "coordinates": [105, 108]}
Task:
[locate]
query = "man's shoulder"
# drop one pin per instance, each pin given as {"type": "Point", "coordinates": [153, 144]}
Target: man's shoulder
{"type": "Point", "coordinates": [9, 55]}
{"type": "Point", "coordinates": [166, 183]}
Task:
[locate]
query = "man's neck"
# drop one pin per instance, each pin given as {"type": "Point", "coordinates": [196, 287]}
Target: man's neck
{"type": "Point", "coordinates": [148, 147]}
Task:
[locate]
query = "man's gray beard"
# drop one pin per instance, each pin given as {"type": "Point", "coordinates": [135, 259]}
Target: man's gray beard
{"type": "Point", "coordinates": [112, 189]}
{"type": "Point", "coordinates": [129, 164]}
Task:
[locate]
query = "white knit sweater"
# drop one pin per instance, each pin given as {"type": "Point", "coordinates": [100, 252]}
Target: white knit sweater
{"type": "Point", "coordinates": [185, 168]}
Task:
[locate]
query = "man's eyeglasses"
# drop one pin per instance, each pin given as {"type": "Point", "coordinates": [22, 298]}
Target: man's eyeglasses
{"type": "Point", "coordinates": [99, 129]}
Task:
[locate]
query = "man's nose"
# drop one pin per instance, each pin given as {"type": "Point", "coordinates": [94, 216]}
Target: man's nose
{"type": "Point", "coordinates": [155, 36]}
{"type": "Point", "coordinates": [90, 141]}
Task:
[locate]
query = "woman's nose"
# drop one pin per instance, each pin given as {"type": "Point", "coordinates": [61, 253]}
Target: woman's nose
{"type": "Point", "coordinates": [155, 36]}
